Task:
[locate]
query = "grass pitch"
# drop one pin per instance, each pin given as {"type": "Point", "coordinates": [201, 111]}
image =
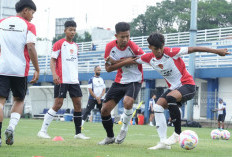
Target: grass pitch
{"type": "Point", "coordinates": [139, 138]}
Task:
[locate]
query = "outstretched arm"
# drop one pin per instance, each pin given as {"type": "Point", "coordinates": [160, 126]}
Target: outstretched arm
{"type": "Point", "coordinates": [114, 65]}
{"type": "Point", "coordinates": [220, 52]}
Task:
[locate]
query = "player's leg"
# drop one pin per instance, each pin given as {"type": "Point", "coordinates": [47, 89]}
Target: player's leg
{"type": "Point", "coordinates": [161, 123]}
{"type": "Point", "coordinates": [18, 86]}
{"type": "Point", "coordinates": [4, 93]}
{"type": "Point", "coordinates": [60, 92]}
{"type": "Point", "coordinates": [182, 94]}
{"type": "Point", "coordinates": [151, 118]}
{"type": "Point", "coordinates": [113, 96]}
{"type": "Point", "coordinates": [219, 121]}
{"type": "Point", "coordinates": [2, 102]}
{"type": "Point", "coordinates": [76, 95]}
{"type": "Point", "coordinates": [89, 107]}
{"type": "Point", "coordinates": [223, 119]}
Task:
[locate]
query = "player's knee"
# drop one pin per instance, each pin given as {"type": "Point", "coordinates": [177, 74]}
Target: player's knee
{"type": "Point", "coordinates": [105, 111]}
{"type": "Point", "coordinates": [158, 108]}
{"type": "Point", "coordinates": [170, 99]}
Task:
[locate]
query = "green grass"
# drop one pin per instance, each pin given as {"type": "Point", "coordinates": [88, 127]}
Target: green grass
{"type": "Point", "coordinates": [139, 138]}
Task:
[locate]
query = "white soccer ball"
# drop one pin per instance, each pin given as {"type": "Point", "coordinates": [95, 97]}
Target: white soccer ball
{"type": "Point", "coordinates": [215, 134]}
{"type": "Point", "coordinates": [225, 135]}
{"type": "Point", "coordinates": [188, 139]}
{"type": "Point", "coordinates": [62, 119]}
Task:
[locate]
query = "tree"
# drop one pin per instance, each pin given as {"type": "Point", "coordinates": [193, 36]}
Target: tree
{"type": "Point", "coordinates": [174, 16]}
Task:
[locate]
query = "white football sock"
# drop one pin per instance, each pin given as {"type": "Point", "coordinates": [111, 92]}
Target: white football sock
{"type": "Point", "coordinates": [126, 117]}
{"type": "Point", "coordinates": [161, 125]}
{"type": "Point", "coordinates": [82, 123]}
{"type": "Point", "coordinates": [49, 116]}
{"type": "Point", "coordinates": [14, 119]}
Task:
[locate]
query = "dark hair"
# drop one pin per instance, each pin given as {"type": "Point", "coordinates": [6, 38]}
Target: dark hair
{"type": "Point", "coordinates": [156, 39]}
{"type": "Point", "coordinates": [70, 23]}
{"type": "Point", "coordinates": [20, 5]}
{"type": "Point", "coordinates": [122, 27]}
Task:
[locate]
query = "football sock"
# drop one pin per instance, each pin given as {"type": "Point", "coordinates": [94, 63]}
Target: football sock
{"type": "Point", "coordinates": [126, 117]}
{"type": "Point", "coordinates": [49, 116]}
{"type": "Point", "coordinates": [108, 125]}
{"type": "Point", "coordinates": [161, 124]}
{"type": "Point", "coordinates": [14, 119]}
{"type": "Point", "coordinates": [175, 116]}
{"type": "Point", "coordinates": [77, 117]}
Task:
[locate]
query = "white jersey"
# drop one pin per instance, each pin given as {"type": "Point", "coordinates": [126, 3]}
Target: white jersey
{"type": "Point", "coordinates": [221, 106]}
{"type": "Point", "coordinates": [15, 33]}
{"type": "Point", "coordinates": [128, 73]}
{"type": "Point", "coordinates": [170, 66]}
{"type": "Point", "coordinates": [65, 54]}
{"type": "Point", "coordinates": [97, 85]}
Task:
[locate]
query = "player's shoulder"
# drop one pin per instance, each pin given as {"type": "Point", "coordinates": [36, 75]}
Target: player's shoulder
{"type": "Point", "coordinates": [59, 42]}
{"type": "Point", "coordinates": [131, 43]}
{"type": "Point", "coordinates": [147, 57]}
{"type": "Point", "coordinates": [111, 44]}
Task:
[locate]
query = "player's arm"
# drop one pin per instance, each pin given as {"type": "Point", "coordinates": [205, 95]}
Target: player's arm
{"type": "Point", "coordinates": [34, 59]}
{"type": "Point", "coordinates": [220, 52]}
{"type": "Point", "coordinates": [56, 78]}
{"type": "Point", "coordinates": [92, 93]}
{"type": "Point", "coordinates": [127, 61]}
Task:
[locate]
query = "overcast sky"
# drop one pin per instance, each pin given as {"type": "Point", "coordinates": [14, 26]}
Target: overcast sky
{"type": "Point", "coordinates": [87, 13]}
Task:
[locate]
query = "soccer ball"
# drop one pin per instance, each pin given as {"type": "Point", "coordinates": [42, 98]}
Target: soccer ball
{"type": "Point", "coordinates": [225, 135]}
{"type": "Point", "coordinates": [188, 139]}
{"type": "Point", "coordinates": [215, 134]}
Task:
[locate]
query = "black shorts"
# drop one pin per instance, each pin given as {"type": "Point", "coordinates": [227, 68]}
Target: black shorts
{"type": "Point", "coordinates": [60, 90]}
{"type": "Point", "coordinates": [187, 91]}
{"type": "Point", "coordinates": [117, 91]}
{"type": "Point", "coordinates": [221, 117]}
{"type": "Point", "coordinates": [18, 86]}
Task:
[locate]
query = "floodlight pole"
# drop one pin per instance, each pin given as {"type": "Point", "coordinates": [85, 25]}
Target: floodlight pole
{"type": "Point", "coordinates": [192, 42]}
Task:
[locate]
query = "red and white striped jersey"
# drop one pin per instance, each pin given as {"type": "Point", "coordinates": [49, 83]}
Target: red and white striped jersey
{"type": "Point", "coordinates": [15, 33]}
{"type": "Point", "coordinates": [170, 66]}
{"type": "Point", "coordinates": [129, 73]}
{"type": "Point", "coordinates": [66, 54]}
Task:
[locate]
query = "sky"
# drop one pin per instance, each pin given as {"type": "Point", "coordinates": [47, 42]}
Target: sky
{"type": "Point", "coordinates": [87, 13]}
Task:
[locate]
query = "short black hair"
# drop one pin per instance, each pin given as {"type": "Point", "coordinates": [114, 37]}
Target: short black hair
{"type": "Point", "coordinates": [21, 4]}
{"type": "Point", "coordinates": [122, 27]}
{"type": "Point", "coordinates": [156, 39]}
{"type": "Point", "coordinates": [70, 23]}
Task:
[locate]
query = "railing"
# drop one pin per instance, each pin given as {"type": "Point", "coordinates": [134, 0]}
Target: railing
{"type": "Point", "coordinates": [214, 38]}
{"type": "Point", "coordinates": [172, 39]}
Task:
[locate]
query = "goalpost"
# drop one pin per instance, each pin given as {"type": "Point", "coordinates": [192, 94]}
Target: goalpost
{"type": "Point", "coordinates": [42, 97]}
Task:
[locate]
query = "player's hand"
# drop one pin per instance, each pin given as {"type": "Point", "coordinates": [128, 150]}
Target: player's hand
{"type": "Point", "coordinates": [222, 52]}
{"type": "Point", "coordinates": [56, 79]}
{"type": "Point", "coordinates": [110, 60]}
{"type": "Point", "coordinates": [130, 60]}
{"type": "Point", "coordinates": [35, 77]}
{"type": "Point", "coordinates": [98, 100]}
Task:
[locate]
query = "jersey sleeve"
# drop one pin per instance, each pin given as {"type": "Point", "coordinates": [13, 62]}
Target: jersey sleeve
{"type": "Point", "coordinates": [90, 83]}
{"type": "Point", "coordinates": [176, 52]}
{"type": "Point", "coordinates": [56, 50]}
{"type": "Point", "coordinates": [146, 58]}
{"type": "Point", "coordinates": [31, 34]}
{"type": "Point", "coordinates": [107, 51]}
